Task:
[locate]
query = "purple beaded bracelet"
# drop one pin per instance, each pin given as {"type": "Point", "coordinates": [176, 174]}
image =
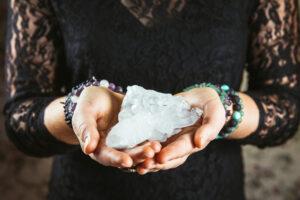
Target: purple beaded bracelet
{"type": "Point", "coordinates": [72, 97]}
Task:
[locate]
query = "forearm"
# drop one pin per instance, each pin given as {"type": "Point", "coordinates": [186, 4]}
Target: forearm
{"type": "Point", "coordinates": [25, 126]}
{"type": "Point", "coordinates": [270, 118]}
{"type": "Point", "coordinates": [55, 122]}
{"type": "Point", "coordinates": [250, 119]}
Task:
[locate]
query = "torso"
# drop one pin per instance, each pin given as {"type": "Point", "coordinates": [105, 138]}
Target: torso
{"type": "Point", "coordinates": [203, 41]}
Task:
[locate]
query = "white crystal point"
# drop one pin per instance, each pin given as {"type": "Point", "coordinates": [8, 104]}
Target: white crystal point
{"type": "Point", "coordinates": [150, 115]}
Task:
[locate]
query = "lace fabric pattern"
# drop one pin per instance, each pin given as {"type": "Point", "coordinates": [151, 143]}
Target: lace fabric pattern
{"type": "Point", "coordinates": [31, 60]}
{"type": "Point", "coordinates": [147, 11]}
{"type": "Point", "coordinates": [274, 66]}
{"type": "Point", "coordinates": [121, 42]}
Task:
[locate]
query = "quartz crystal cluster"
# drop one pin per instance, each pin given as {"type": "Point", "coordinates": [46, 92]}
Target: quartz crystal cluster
{"type": "Point", "coordinates": [150, 115]}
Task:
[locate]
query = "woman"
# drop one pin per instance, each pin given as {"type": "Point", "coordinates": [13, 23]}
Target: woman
{"type": "Point", "coordinates": [164, 45]}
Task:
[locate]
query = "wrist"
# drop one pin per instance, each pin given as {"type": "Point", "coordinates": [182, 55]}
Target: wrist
{"type": "Point", "coordinates": [250, 120]}
{"type": "Point", "coordinates": [234, 114]}
{"type": "Point", "coordinates": [55, 123]}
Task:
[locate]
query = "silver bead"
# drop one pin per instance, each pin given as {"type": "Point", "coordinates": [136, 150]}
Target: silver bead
{"type": "Point", "coordinates": [74, 99]}
{"type": "Point", "coordinates": [104, 83]}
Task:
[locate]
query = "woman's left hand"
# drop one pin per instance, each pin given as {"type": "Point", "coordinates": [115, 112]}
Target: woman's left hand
{"type": "Point", "coordinates": [191, 139]}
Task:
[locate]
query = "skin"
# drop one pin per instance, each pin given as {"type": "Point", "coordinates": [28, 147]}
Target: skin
{"type": "Point", "coordinates": [195, 138]}
{"type": "Point", "coordinates": [96, 113]}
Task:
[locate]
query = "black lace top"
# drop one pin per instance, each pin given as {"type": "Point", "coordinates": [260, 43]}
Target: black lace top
{"type": "Point", "coordinates": [164, 45]}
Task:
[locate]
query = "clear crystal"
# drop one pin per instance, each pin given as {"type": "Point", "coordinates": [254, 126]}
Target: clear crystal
{"type": "Point", "coordinates": [150, 115]}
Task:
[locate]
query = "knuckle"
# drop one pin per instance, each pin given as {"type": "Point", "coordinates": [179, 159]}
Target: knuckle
{"type": "Point", "coordinates": [206, 120]}
{"type": "Point", "coordinates": [103, 161]}
{"type": "Point", "coordinates": [102, 158]}
{"type": "Point", "coordinates": [110, 158]}
{"type": "Point", "coordinates": [116, 161]}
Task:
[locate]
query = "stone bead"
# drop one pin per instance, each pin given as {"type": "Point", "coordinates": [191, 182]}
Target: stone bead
{"type": "Point", "coordinates": [236, 115]}
{"type": "Point", "coordinates": [237, 107]}
{"type": "Point", "coordinates": [112, 86]}
{"type": "Point", "coordinates": [119, 89]}
{"type": "Point", "coordinates": [104, 83]}
{"type": "Point", "coordinates": [227, 102]}
{"type": "Point", "coordinates": [233, 123]}
{"type": "Point", "coordinates": [236, 98]}
{"type": "Point", "coordinates": [74, 99]}
{"type": "Point", "coordinates": [225, 87]}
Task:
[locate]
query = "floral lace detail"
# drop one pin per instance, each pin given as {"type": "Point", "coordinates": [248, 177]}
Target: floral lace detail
{"type": "Point", "coordinates": [31, 45]}
{"type": "Point", "coordinates": [31, 60]}
{"type": "Point", "coordinates": [274, 65]}
{"type": "Point", "coordinates": [19, 118]}
{"type": "Point", "coordinates": [150, 11]}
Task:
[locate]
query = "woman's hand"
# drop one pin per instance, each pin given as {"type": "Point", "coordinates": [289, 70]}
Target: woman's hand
{"type": "Point", "coordinates": [191, 139]}
{"type": "Point", "coordinates": [96, 112]}
{"type": "Point", "coordinates": [175, 152]}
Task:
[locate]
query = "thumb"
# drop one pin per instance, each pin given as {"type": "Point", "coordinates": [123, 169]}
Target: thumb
{"type": "Point", "coordinates": [90, 138]}
{"type": "Point", "coordinates": [85, 128]}
{"type": "Point", "coordinates": [212, 123]}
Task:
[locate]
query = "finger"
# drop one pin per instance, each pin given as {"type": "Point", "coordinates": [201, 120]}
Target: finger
{"type": "Point", "coordinates": [143, 151]}
{"type": "Point", "coordinates": [154, 167]}
{"type": "Point", "coordinates": [85, 128]}
{"type": "Point", "coordinates": [172, 163]}
{"type": "Point", "coordinates": [182, 146]}
{"type": "Point", "coordinates": [212, 123]}
{"type": "Point", "coordinates": [147, 166]}
{"type": "Point", "coordinates": [112, 157]}
{"type": "Point", "coordinates": [140, 153]}
{"type": "Point", "coordinates": [156, 146]}
{"type": "Point", "coordinates": [148, 163]}
{"type": "Point", "coordinates": [143, 171]}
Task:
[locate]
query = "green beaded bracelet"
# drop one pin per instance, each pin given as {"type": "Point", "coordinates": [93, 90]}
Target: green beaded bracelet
{"type": "Point", "coordinates": [236, 116]}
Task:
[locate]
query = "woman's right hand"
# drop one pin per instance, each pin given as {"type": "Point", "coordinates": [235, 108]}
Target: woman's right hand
{"type": "Point", "coordinates": [96, 112]}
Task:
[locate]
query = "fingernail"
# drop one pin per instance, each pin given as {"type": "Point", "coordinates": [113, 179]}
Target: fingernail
{"type": "Point", "coordinates": [85, 137]}
{"type": "Point", "coordinates": [204, 141]}
{"type": "Point", "coordinates": [86, 140]}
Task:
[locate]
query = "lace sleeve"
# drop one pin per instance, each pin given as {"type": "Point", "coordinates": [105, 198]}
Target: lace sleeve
{"type": "Point", "coordinates": [32, 54]}
{"type": "Point", "coordinates": [274, 71]}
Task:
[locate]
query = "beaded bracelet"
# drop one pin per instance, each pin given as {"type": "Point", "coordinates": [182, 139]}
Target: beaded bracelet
{"type": "Point", "coordinates": [237, 114]}
{"type": "Point", "coordinates": [228, 97]}
{"type": "Point", "coordinates": [71, 99]}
